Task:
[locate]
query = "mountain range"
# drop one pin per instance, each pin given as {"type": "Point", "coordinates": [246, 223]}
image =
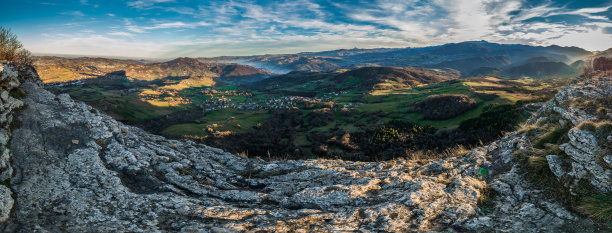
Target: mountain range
{"type": "Point", "coordinates": [472, 57]}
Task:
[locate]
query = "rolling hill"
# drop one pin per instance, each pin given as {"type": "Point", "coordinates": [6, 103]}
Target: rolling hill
{"type": "Point", "coordinates": [58, 69]}
{"type": "Point", "coordinates": [364, 79]}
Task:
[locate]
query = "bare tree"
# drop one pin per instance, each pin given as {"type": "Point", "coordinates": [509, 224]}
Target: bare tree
{"type": "Point", "coordinates": [588, 67]}
{"type": "Point", "coordinates": [12, 50]}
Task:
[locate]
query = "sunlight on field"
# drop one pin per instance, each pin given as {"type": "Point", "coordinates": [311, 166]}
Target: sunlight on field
{"type": "Point", "coordinates": [232, 120]}
{"type": "Point", "coordinates": [483, 84]}
{"type": "Point", "coordinates": [168, 102]}
{"type": "Point", "coordinates": [191, 82]}
{"type": "Point", "coordinates": [150, 92]}
{"type": "Point", "coordinates": [510, 96]}
{"type": "Point", "coordinates": [51, 74]}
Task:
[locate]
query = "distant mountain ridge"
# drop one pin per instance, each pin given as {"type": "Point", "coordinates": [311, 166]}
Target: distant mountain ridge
{"type": "Point", "coordinates": [466, 57]}
{"type": "Point", "coordinates": [471, 58]}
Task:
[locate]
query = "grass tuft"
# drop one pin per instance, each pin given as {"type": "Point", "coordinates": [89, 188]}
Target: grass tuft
{"type": "Point", "coordinates": [552, 137]}
{"type": "Point", "coordinates": [598, 207]}
{"type": "Point", "coordinates": [588, 126]}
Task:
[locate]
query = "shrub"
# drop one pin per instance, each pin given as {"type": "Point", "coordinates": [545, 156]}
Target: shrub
{"type": "Point", "coordinates": [12, 50]}
{"type": "Point", "coordinates": [385, 134]}
{"type": "Point", "coordinates": [442, 107]}
{"type": "Point", "coordinates": [495, 117]}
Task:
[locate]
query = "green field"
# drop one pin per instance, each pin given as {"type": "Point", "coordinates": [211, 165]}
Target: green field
{"type": "Point", "coordinates": [187, 129]}
{"type": "Point", "coordinates": [202, 110]}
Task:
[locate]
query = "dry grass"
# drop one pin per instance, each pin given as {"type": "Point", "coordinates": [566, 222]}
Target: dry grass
{"type": "Point", "coordinates": [597, 207]}
{"type": "Point", "coordinates": [427, 155]}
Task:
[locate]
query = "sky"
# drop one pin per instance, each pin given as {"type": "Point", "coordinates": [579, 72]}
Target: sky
{"type": "Point", "coordinates": [176, 28]}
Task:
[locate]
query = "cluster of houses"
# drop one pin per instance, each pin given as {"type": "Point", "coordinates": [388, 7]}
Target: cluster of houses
{"type": "Point", "coordinates": [272, 103]}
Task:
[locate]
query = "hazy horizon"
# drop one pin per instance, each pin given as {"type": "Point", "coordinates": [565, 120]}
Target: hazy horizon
{"type": "Point", "coordinates": [162, 29]}
{"type": "Point", "coordinates": [220, 56]}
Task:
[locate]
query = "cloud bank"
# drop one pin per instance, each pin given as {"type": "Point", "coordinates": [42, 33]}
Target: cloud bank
{"type": "Point", "coordinates": [171, 28]}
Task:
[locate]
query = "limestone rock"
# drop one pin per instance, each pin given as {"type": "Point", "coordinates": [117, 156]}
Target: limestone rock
{"type": "Point", "coordinates": [555, 165]}
{"type": "Point", "coordinates": [608, 160]}
{"type": "Point", "coordinates": [8, 105]}
{"type": "Point", "coordinates": [6, 203]}
{"type": "Point", "coordinates": [584, 151]}
{"type": "Point", "coordinates": [120, 178]}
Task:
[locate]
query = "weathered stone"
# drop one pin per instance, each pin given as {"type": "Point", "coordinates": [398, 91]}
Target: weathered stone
{"type": "Point", "coordinates": [6, 203]}
{"type": "Point", "coordinates": [4, 95]}
{"type": "Point", "coordinates": [8, 105]}
{"type": "Point", "coordinates": [584, 153]}
{"type": "Point", "coordinates": [555, 164]}
{"type": "Point", "coordinates": [608, 160]}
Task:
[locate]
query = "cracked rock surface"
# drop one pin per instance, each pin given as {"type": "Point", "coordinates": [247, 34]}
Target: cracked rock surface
{"type": "Point", "coordinates": [119, 178]}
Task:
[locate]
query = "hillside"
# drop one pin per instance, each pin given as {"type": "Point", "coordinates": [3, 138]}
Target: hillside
{"type": "Point", "coordinates": [300, 63]}
{"type": "Point", "coordinates": [68, 166]}
{"type": "Point", "coordinates": [466, 57]}
{"type": "Point", "coordinates": [540, 69]}
{"type": "Point", "coordinates": [392, 77]}
{"type": "Point", "coordinates": [315, 114]}
{"type": "Point", "coordinates": [57, 69]}
{"type": "Point", "coordinates": [469, 66]}
{"type": "Point", "coordinates": [366, 78]}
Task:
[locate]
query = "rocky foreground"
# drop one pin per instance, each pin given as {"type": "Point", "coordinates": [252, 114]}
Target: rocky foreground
{"type": "Point", "coordinates": [66, 167]}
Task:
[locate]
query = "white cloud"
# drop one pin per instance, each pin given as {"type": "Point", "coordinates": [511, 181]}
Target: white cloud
{"type": "Point", "coordinates": [167, 25]}
{"type": "Point", "coordinates": [144, 4]}
{"type": "Point", "coordinates": [598, 39]}
{"type": "Point", "coordinates": [94, 44]}
{"type": "Point", "coordinates": [124, 34]}
{"type": "Point", "coordinates": [286, 44]}
{"type": "Point", "coordinates": [240, 27]}
{"type": "Point", "coordinates": [587, 12]}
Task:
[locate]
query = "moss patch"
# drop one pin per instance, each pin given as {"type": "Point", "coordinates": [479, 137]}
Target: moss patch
{"type": "Point", "coordinates": [18, 93]}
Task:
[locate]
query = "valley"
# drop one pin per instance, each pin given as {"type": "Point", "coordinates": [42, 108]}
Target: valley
{"type": "Point", "coordinates": [346, 113]}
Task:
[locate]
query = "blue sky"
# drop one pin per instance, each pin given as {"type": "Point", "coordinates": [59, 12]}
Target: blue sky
{"type": "Point", "coordinates": [172, 28]}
